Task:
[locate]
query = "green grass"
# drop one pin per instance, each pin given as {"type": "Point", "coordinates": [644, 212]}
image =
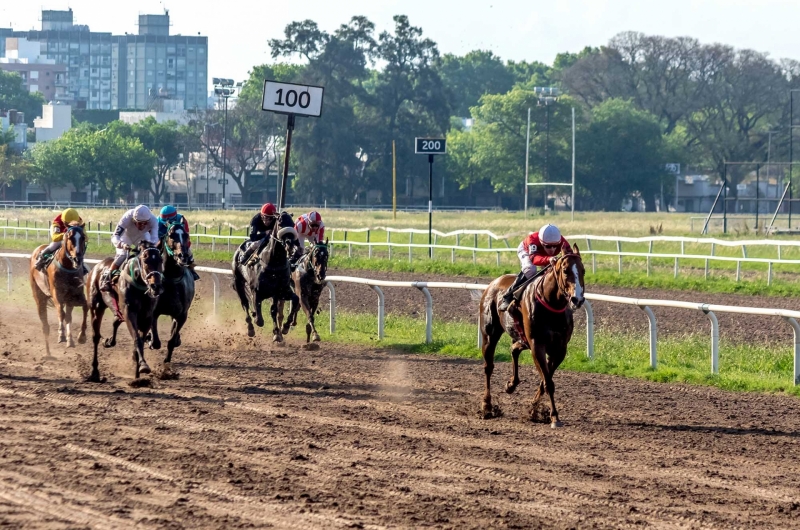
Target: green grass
{"type": "Point", "coordinates": [688, 359]}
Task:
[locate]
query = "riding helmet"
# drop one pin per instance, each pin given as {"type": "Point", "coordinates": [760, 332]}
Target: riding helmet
{"type": "Point", "coordinates": [549, 234]}
{"type": "Point", "coordinates": [141, 214]}
{"type": "Point", "coordinates": [70, 215]}
{"type": "Point", "coordinates": [314, 218]}
{"type": "Point", "coordinates": [268, 209]}
{"type": "Point", "coordinates": [168, 212]}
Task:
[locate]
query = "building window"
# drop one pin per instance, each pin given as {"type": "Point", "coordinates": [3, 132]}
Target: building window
{"type": "Point", "coordinates": [130, 85]}
{"type": "Point", "coordinates": [34, 74]}
{"type": "Point", "coordinates": [170, 63]}
{"type": "Point", "coordinates": [150, 60]}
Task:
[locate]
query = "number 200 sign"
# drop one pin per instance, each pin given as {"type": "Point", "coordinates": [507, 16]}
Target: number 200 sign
{"type": "Point", "coordinates": [286, 98]}
{"type": "Point", "coordinates": [431, 146]}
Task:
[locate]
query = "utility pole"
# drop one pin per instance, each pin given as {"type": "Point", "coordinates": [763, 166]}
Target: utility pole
{"type": "Point", "coordinates": [527, 159]}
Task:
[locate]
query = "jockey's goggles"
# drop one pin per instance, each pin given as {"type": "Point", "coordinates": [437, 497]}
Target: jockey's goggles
{"type": "Point", "coordinates": [141, 225]}
{"type": "Point", "coordinates": [555, 246]}
{"type": "Point", "coordinates": [314, 225]}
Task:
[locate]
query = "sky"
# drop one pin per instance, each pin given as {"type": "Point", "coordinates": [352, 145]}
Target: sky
{"type": "Point", "coordinates": [238, 32]}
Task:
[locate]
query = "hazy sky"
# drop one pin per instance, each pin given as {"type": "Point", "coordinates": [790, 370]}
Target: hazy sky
{"type": "Point", "coordinates": [514, 29]}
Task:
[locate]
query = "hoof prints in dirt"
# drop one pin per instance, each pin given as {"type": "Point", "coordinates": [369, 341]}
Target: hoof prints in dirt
{"type": "Point", "coordinates": [142, 382]}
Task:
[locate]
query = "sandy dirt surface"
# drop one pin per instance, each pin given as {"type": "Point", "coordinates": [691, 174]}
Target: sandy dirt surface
{"type": "Point", "coordinates": [252, 436]}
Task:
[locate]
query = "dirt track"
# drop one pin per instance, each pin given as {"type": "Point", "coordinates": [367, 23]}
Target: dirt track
{"type": "Point", "coordinates": [254, 436]}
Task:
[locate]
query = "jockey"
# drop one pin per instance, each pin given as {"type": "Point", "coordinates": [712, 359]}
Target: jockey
{"type": "Point", "coordinates": [57, 229]}
{"type": "Point", "coordinates": [539, 249]}
{"type": "Point", "coordinates": [309, 225]}
{"type": "Point", "coordinates": [169, 216]}
{"type": "Point", "coordinates": [135, 226]}
{"type": "Point", "coordinates": [261, 225]}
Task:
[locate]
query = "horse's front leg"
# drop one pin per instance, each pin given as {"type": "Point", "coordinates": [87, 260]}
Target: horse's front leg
{"type": "Point", "coordinates": [155, 340]}
{"type": "Point", "coordinates": [294, 307]}
{"type": "Point", "coordinates": [97, 319]}
{"type": "Point", "coordinates": [140, 364]}
{"type": "Point", "coordinates": [513, 382]}
{"type": "Point", "coordinates": [543, 366]}
{"type": "Point", "coordinates": [61, 314]}
{"type": "Point", "coordinates": [258, 311]}
{"type": "Point", "coordinates": [68, 325]}
{"type": "Point", "coordinates": [82, 334]}
{"type": "Point", "coordinates": [174, 339]}
{"type": "Point", "coordinates": [311, 311]}
{"type": "Point", "coordinates": [111, 342]}
{"type": "Point", "coordinates": [277, 336]}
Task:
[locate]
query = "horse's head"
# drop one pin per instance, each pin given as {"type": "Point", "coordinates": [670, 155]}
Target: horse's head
{"type": "Point", "coordinates": [286, 232]}
{"type": "Point", "coordinates": [319, 261]}
{"type": "Point", "coordinates": [75, 243]}
{"type": "Point", "coordinates": [569, 273]}
{"type": "Point", "coordinates": [176, 244]}
{"type": "Point", "coordinates": [151, 265]}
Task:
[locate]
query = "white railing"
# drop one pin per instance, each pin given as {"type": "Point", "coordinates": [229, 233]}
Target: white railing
{"type": "Point", "coordinates": [589, 251]}
{"type": "Point", "coordinates": [646, 304]}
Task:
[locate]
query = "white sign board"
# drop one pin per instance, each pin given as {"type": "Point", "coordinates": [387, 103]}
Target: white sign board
{"type": "Point", "coordinates": [675, 169]}
{"type": "Point", "coordinates": [286, 98]}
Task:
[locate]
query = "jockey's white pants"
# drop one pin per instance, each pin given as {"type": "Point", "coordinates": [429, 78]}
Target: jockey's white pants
{"type": "Point", "coordinates": [52, 247]}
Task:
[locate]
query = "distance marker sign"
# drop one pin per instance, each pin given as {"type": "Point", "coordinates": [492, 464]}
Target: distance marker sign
{"type": "Point", "coordinates": [430, 146]}
{"type": "Point", "coordinates": [286, 98]}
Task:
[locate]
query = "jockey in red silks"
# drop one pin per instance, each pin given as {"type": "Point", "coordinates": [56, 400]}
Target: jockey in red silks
{"type": "Point", "coordinates": [539, 249]}
{"type": "Point", "coordinates": [309, 225]}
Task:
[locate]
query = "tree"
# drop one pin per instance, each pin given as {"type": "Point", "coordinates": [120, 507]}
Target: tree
{"type": "Point", "coordinates": [469, 77]}
{"type": "Point", "coordinates": [164, 140]}
{"type": "Point", "coordinates": [622, 154]}
{"type": "Point", "coordinates": [54, 163]}
{"type": "Point", "coordinates": [13, 95]}
{"type": "Point", "coordinates": [494, 150]}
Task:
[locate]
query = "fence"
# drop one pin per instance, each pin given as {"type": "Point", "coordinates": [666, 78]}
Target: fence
{"type": "Point", "coordinates": [708, 309]}
{"type": "Point", "coordinates": [475, 250]}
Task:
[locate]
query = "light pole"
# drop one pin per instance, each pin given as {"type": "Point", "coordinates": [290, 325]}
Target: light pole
{"type": "Point", "coordinates": [547, 96]}
{"type": "Point", "coordinates": [224, 88]}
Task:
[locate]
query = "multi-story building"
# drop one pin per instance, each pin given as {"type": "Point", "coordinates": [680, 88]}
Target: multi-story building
{"type": "Point", "coordinates": [129, 71]}
{"type": "Point", "coordinates": [39, 74]}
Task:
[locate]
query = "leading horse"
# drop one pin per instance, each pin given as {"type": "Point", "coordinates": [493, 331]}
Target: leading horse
{"type": "Point", "coordinates": [269, 278]}
{"type": "Point", "coordinates": [541, 320]}
{"type": "Point", "coordinates": [178, 293]}
{"type": "Point", "coordinates": [137, 290]}
{"type": "Point", "coordinates": [61, 284]}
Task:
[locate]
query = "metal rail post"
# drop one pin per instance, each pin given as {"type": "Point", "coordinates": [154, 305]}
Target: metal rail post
{"type": "Point", "coordinates": [380, 310]}
{"type": "Point", "coordinates": [332, 306]}
{"type": "Point", "coordinates": [714, 339]}
{"type": "Point", "coordinates": [215, 280]}
{"type": "Point", "coordinates": [796, 330]}
{"type": "Point", "coordinates": [428, 314]}
{"type": "Point", "coordinates": [8, 275]}
{"type": "Point", "coordinates": [587, 307]}
{"type": "Point", "coordinates": [653, 326]}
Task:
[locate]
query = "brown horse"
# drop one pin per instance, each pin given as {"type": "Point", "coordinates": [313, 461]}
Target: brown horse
{"type": "Point", "coordinates": [540, 320]}
{"type": "Point", "coordinates": [61, 284]}
{"type": "Point", "coordinates": [134, 300]}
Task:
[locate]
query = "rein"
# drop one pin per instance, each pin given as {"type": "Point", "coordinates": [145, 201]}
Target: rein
{"type": "Point", "coordinates": [140, 283]}
{"type": "Point", "coordinates": [540, 298]}
{"type": "Point", "coordinates": [63, 251]}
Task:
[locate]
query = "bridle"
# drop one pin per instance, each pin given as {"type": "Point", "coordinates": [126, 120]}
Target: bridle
{"type": "Point", "coordinates": [312, 258]}
{"type": "Point", "coordinates": [140, 260]}
{"type": "Point", "coordinates": [77, 262]}
{"type": "Point", "coordinates": [562, 290]}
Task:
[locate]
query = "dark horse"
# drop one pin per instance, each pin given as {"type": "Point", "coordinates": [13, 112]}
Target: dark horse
{"type": "Point", "coordinates": [178, 292]}
{"type": "Point", "coordinates": [61, 284]}
{"type": "Point", "coordinates": [541, 320]}
{"type": "Point", "coordinates": [309, 281]}
{"type": "Point", "coordinates": [268, 278]}
{"type": "Point", "coordinates": [137, 291]}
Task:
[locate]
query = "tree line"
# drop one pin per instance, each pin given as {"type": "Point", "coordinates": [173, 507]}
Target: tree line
{"type": "Point", "coordinates": [641, 101]}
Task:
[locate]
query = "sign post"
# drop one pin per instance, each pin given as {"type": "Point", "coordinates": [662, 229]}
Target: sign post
{"type": "Point", "coordinates": [430, 147]}
{"type": "Point", "coordinates": [292, 100]}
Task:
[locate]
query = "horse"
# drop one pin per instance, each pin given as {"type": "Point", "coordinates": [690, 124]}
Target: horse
{"type": "Point", "coordinates": [139, 285]}
{"type": "Point", "coordinates": [309, 281]}
{"type": "Point", "coordinates": [61, 284]}
{"type": "Point", "coordinates": [176, 299]}
{"type": "Point", "coordinates": [269, 278]}
{"type": "Point", "coordinates": [541, 320]}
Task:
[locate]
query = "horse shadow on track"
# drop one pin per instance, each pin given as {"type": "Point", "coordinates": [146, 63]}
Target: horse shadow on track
{"type": "Point", "coordinates": [702, 429]}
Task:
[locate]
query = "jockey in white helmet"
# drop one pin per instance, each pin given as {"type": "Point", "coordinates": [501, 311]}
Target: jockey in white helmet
{"type": "Point", "coordinates": [539, 249]}
{"type": "Point", "coordinates": [135, 226]}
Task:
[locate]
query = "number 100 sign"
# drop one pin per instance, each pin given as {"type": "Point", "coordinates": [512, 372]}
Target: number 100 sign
{"type": "Point", "coordinates": [286, 98]}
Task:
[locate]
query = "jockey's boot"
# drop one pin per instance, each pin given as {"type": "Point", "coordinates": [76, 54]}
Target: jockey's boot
{"type": "Point", "coordinates": [194, 274]}
{"type": "Point", "coordinates": [105, 282]}
{"type": "Point", "coordinates": [508, 296]}
{"type": "Point", "coordinates": [40, 261]}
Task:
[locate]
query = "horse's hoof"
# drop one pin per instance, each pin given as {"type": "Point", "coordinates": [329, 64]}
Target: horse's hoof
{"type": "Point", "coordinates": [510, 387]}
{"type": "Point", "coordinates": [316, 337]}
{"type": "Point", "coordinates": [489, 411]}
{"type": "Point", "coordinates": [71, 344]}
{"type": "Point", "coordinates": [285, 329]}
{"type": "Point", "coordinates": [62, 339]}
{"type": "Point", "coordinates": [82, 339]}
{"type": "Point", "coordinates": [109, 343]}
{"type": "Point", "coordinates": [260, 322]}
{"type": "Point", "coordinates": [94, 377]}
{"type": "Point", "coordinates": [556, 424]}
{"type": "Point", "coordinates": [251, 332]}
{"type": "Point", "coordinates": [311, 346]}
{"type": "Point", "coordinates": [277, 338]}
{"type": "Point", "coordinates": [143, 368]}
{"type": "Point", "coordinates": [155, 345]}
